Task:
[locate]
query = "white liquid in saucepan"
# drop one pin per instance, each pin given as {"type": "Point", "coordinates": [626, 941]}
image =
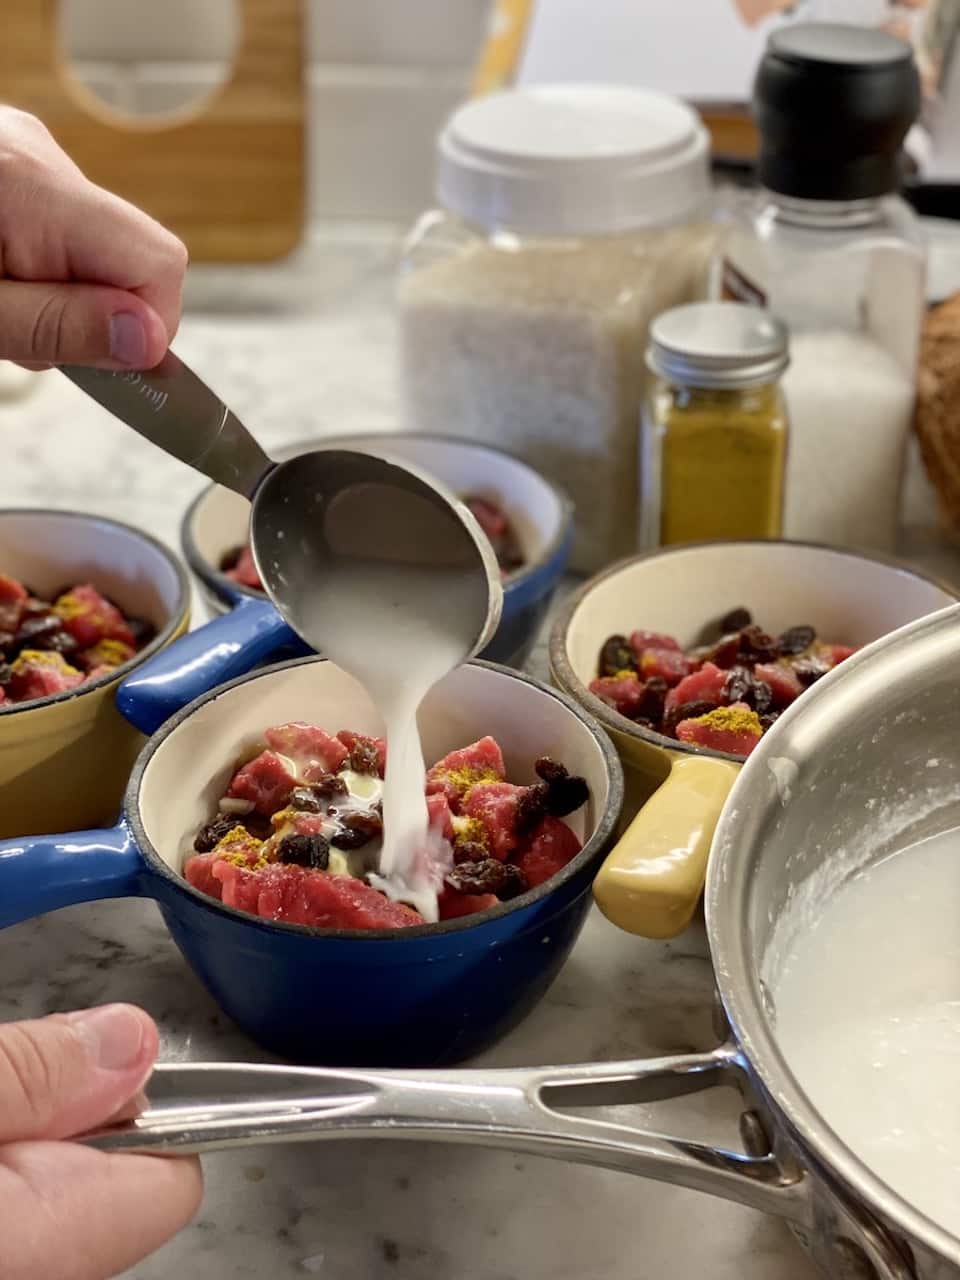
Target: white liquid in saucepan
{"type": "Point", "coordinates": [868, 1016]}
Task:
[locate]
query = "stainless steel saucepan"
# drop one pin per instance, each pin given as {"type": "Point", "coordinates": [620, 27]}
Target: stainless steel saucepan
{"type": "Point", "coordinates": [869, 731]}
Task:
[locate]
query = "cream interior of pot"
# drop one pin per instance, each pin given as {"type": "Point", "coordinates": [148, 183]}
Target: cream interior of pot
{"type": "Point", "coordinates": [50, 550]}
{"type": "Point", "coordinates": [191, 767]}
{"type": "Point", "coordinates": [866, 765]}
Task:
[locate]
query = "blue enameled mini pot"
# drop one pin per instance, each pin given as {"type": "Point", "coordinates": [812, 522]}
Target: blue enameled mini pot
{"type": "Point", "coordinates": [250, 631]}
{"type": "Point", "coordinates": [405, 997]}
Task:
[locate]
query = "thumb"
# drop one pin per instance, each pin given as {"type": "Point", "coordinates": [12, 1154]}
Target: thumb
{"type": "Point", "coordinates": [79, 324]}
{"type": "Point", "coordinates": [69, 1073]}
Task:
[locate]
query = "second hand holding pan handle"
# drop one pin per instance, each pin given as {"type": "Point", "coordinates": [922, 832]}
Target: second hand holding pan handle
{"type": "Point", "coordinates": [199, 1107]}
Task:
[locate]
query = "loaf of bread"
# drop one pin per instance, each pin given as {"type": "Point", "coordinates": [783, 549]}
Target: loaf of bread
{"type": "Point", "coordinates": [937, 416]}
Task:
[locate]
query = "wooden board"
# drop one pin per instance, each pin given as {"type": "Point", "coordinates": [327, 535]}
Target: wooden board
{"type": "Point", "coordinates": [227, 177]}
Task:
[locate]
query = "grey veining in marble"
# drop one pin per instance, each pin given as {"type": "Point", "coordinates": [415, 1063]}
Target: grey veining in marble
{"type": "Point", "coordinates": [296, 350]}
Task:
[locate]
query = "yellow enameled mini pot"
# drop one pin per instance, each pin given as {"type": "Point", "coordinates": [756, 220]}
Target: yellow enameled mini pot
{"type": "Point", "coordinates": [652, 882]}
{"type": "Point", "coordinates": [64, 760]}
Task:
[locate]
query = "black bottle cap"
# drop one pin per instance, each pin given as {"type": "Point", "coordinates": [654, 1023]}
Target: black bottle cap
{"type": "Point", "coordinates": [833, 104]}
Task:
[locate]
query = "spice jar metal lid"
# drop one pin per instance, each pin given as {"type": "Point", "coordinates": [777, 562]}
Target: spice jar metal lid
{"type": "Point", "coordinates": [718, 345]}
{"type": "Point", "coordinates": [573, 160]}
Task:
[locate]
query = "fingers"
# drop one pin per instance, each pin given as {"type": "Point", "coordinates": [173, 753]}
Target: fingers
{"type": "Point", "coordinates": [64, 1075]}
{"type": "Point", "coordinates": [55, 225]}
{"type": "Point", "coordinates": [43, 324]}
{"type": "Point", "coordinates": [77, 1214]}
{"type": "Point", "coordinates": [113, 243]}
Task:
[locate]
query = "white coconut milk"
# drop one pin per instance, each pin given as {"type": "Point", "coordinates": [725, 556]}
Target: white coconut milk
{"type": "Point", "coordinates": [867, 1004]}
{"type": "Point", "coordinates": [398, 651]}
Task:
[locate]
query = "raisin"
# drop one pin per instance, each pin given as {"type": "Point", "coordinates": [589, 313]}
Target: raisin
{"type": "Point", "coordinates": [550, 770]}
{"type": "Point", "coordinates": [810, 671]}
{"type": "Point", "coordinates": [654, 697]}
{"type": "Point", "coordinates": [326, 787]}
{"type": "Point", "coordinates": [305, 851]}
{"type": "Point", "coordinates": [514, 882]}
{"type": "Point", "coordinates": [531, 807]}
{"type": "Point", "coordinates": [743, 686]}
{"type": "Point", "coordinates": [258, 825]}
{"type": "Point", "coordinates": [761, 697]}
{"type": "Point", "coordinates": [34, 630]}
{"type": "Point", "coordinates": [58, 642]}
{"type": "Point", "coordinates": [142, 631]}
{"type": "Point", "coordinates": [724, 654]}
{"type": "Point", "coordinates": [212, 832]}
{"type": "Point", "coordinates": [488, 875]}
{"type": "Point", "coordinates": [564, 792]}
{"type": "Point", "coordinates": [365, 759]}
{"type": "Point", "coordinates": [796, 640]}
{"type": "Point", "coordinates": [737, 684]}
{"type": "Point", "coordinates": [469, 851]}
{"type": "Point", "coordinates": [756, 646]}
{"type": "Point", "coordinates": [230, 559]}
{"type": "Point", "coordinates": [484, 876]}
{"type": "Point", "coordinates": [509, 554]}
{"type": "Point", "coordinates": [735, 620]}
{"type": "Point", "coordinates": [303, 799]}
{"type": "Point", "coordinates": [33, 606]}
{"type": "Point", "coordinates": [686, 711]}
{"type": "Point", "coordinates": [357, 829]}
{"type": "Point", "coordinates": [616, 655]}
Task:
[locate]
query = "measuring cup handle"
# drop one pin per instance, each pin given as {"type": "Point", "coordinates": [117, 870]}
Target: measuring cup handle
{"type": "Point", "coordinates": [174, 409]}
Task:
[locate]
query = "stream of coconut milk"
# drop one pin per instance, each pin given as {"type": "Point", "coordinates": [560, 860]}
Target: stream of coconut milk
{"type": "Point", "coordinates": [868, 1016]}
{"type": "Point", "coordinates": [398, 650]}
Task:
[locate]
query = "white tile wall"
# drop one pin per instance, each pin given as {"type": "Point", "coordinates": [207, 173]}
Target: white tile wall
{"type": "Point", "coordinates": [383, 75]}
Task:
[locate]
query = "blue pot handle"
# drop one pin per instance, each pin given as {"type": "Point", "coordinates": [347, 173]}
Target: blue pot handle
{"type": "Point", "coordinates": [43, 873]}
{"type": "Point", "coordinates": [229, 646]}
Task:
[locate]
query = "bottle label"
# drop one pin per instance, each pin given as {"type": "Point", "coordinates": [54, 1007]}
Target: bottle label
{"type": "Point", "coordinates": [736, 287]}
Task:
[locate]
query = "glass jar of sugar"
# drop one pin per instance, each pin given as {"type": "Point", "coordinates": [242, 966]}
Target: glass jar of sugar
{"type": "Point", "coordinates": [714, 432]}
{"type": "Point", "coordinates": [571, 215]}
{"type": "Point", "coordinates": [830, 247]}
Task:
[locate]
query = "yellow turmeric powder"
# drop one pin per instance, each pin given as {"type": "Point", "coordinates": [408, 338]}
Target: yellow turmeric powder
{"type": "Point", "coordinates": [722, 457]}
{"type": "Point", "coordinates": [43, 658]}
{"type": "Point", "coordinates": [469, 776]}
{"type": "Point", "coordinates": [735, 719]}
{"type": "Point", "coordinates": [241, 849]}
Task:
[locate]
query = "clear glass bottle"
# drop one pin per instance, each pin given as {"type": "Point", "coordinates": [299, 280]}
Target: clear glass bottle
{"type": "Point", "coordinates": [569, 217]}
{"type": "Point", "coordinates": [714, 426]}
{"type": "Point", "coordinates": [840, 258]}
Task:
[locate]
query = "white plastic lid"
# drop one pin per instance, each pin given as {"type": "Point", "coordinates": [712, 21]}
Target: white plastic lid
{"type": "Point", "coordinates": [573, 159]}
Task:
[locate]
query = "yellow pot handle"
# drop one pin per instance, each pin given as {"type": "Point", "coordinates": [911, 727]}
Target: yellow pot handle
{"type": "Point", "coordinates": [651, 883]}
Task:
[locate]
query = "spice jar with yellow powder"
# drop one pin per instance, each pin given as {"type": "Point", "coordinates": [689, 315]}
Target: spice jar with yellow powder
{"type": "Point", "coordinates": [714, 427]}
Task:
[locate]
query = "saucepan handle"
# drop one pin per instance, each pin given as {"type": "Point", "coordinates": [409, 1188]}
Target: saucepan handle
{"type": "Point", "coordinates": [652, 880]}
{"type": "Point", "coordinates": [43, 873]}
{"type": "Point", "coordinates": [210, 1107]}
{"type": "Point", "coordinates": [221, 650]}
{"type": "Point", "coordinates": [201, 1107]}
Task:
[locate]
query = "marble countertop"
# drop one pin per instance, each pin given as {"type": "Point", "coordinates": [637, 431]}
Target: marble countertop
{"type": "Point", "coordinates": [298, 350]}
